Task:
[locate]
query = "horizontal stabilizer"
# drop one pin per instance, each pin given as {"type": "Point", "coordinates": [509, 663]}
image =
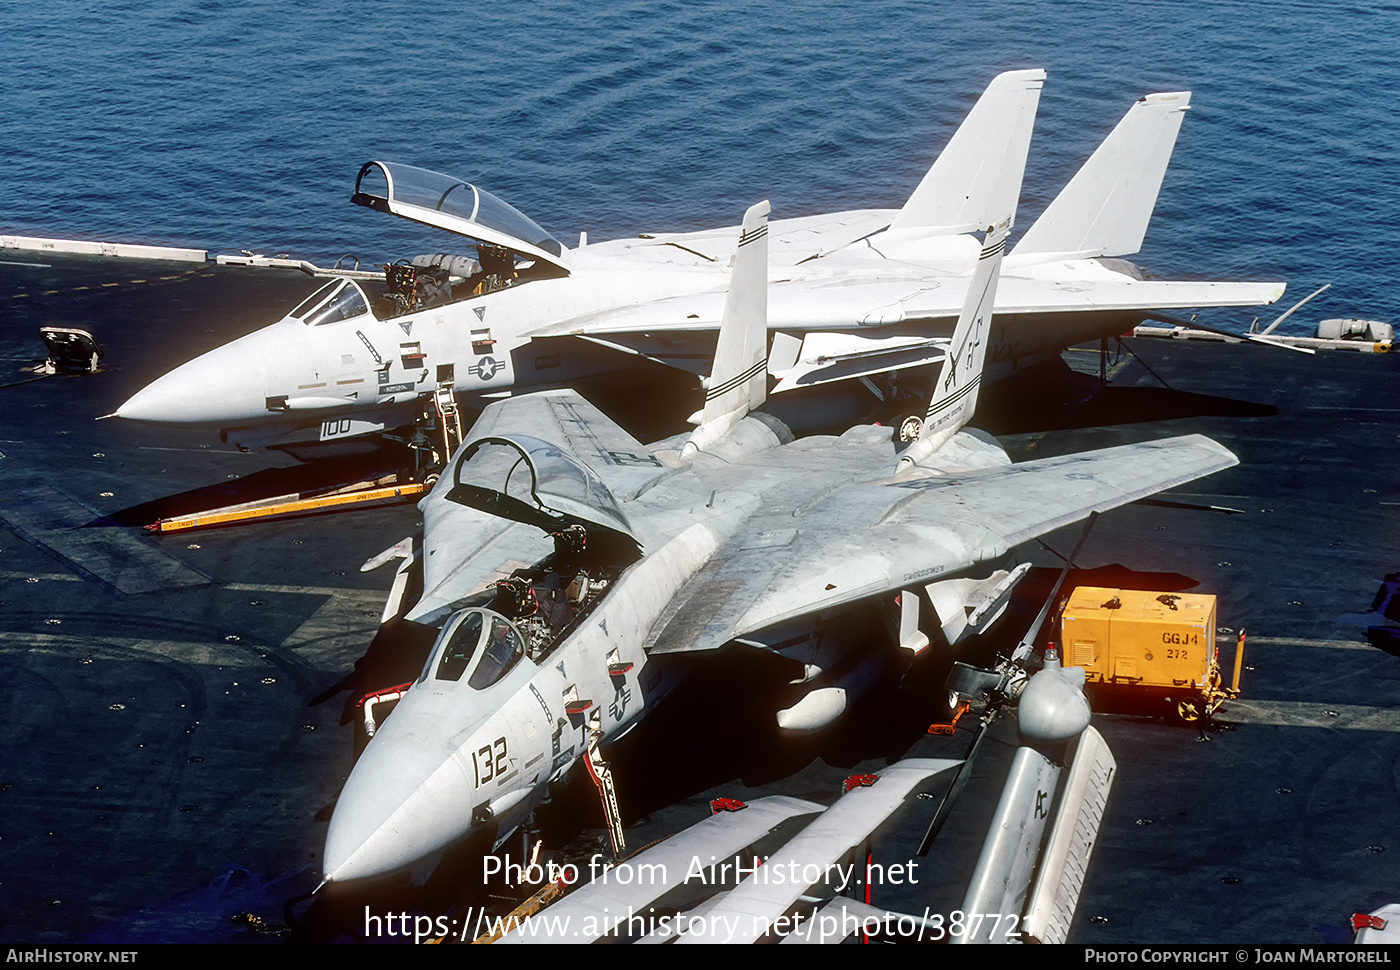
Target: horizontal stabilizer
{"type": "Point", "coordinates": [827, 357]}
{"type": "Point", "coordinates": [1104, 209]}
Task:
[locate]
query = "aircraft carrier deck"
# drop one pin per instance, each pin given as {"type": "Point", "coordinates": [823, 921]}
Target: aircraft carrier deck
{"type": "Point", "coordinates": [165, 776]}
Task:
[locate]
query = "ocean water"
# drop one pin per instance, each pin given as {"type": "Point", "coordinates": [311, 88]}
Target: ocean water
{"type": "Point", "coordinates": [233, 126]}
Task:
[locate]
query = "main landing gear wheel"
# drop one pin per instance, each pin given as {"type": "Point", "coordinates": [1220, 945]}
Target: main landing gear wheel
{"type": "Point", "coordinates": [909, 428]}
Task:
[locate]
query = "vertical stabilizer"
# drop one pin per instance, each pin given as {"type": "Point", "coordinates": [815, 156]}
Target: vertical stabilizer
{"type": "Point", "coordinates": [1104, 209]}
{"type": "Point", "coordinates": [977, 178]}
{"type": "Point", "coordinates": [955, 395]}
{"type": "Point", "coordinates": [738, 383]}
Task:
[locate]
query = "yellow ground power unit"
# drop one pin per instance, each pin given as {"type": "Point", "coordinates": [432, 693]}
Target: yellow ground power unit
{"type": "Point", "coordinates": [1145, 650]}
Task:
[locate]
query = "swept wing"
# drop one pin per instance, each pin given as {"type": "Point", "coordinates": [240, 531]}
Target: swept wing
{"type": "Point", "coordinates": [853, 304]}
{"type": "Point", "coordinates": [888, 535]}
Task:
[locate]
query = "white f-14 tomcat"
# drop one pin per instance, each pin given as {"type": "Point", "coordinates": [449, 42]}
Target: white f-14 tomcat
{"type": "Point", "coordinates": [869, 293]}
{"type": "Point", "coordinates": [565, 562]}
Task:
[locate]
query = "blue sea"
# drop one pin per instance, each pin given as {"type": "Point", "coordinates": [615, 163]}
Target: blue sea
{"type": "Point", "coordinates": [233, 126]}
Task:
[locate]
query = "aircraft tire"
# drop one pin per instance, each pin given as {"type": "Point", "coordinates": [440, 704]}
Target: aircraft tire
{"type": "Point", "coordinates": [908, 427]}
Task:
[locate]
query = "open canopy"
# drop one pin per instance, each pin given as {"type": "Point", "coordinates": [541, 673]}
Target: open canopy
{"type": "Point", "coordinates": [449, 203]}
{"type": "Point", "coordinates": [525, 479]}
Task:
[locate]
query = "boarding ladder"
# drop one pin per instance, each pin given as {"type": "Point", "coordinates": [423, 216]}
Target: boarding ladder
{"type": "Point", "coordinates": [449, 420]}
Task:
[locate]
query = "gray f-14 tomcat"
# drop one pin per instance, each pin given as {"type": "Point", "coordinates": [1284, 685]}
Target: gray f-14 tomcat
{"type": "Point", "coordinates": [565, 562]}
{"type": "Point", "coordinates": [862, 294]}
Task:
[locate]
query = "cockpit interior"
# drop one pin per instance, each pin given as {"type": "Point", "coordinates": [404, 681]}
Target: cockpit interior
{"type": "Point", "coordinates": [527, 614]}
{"type": "Point", "coordinates": [536, 483]}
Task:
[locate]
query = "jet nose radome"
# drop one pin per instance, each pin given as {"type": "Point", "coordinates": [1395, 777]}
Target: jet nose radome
{"type": "Point", "coordinates": [223, 388]}
{"type": "Point", "coordinates": [399, 805]}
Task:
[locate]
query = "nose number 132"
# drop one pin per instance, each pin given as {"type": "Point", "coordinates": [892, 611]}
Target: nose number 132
{"type": "Point", "coordinates": [489, 762]}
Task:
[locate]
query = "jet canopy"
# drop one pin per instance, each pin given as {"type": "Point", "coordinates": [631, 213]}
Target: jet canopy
{"type": "Point", "coordinates": [475, 634]}
{"type": "Point", "coordinates": [526, 479]}
{"type": "Point", "coordinates": [336, 301]}
{"type": "Point", "coordinates": [449, 203]}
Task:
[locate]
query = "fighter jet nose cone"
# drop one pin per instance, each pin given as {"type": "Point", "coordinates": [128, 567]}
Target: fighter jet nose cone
{"type": "Point", "coordinates": [222, 388]}
{"type": "Point", "coordinates": [352, 853]}
{"type": "Point", "coordinates": [1053, 706]}
{"type": "Point", "coordinates": [400, 805]}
